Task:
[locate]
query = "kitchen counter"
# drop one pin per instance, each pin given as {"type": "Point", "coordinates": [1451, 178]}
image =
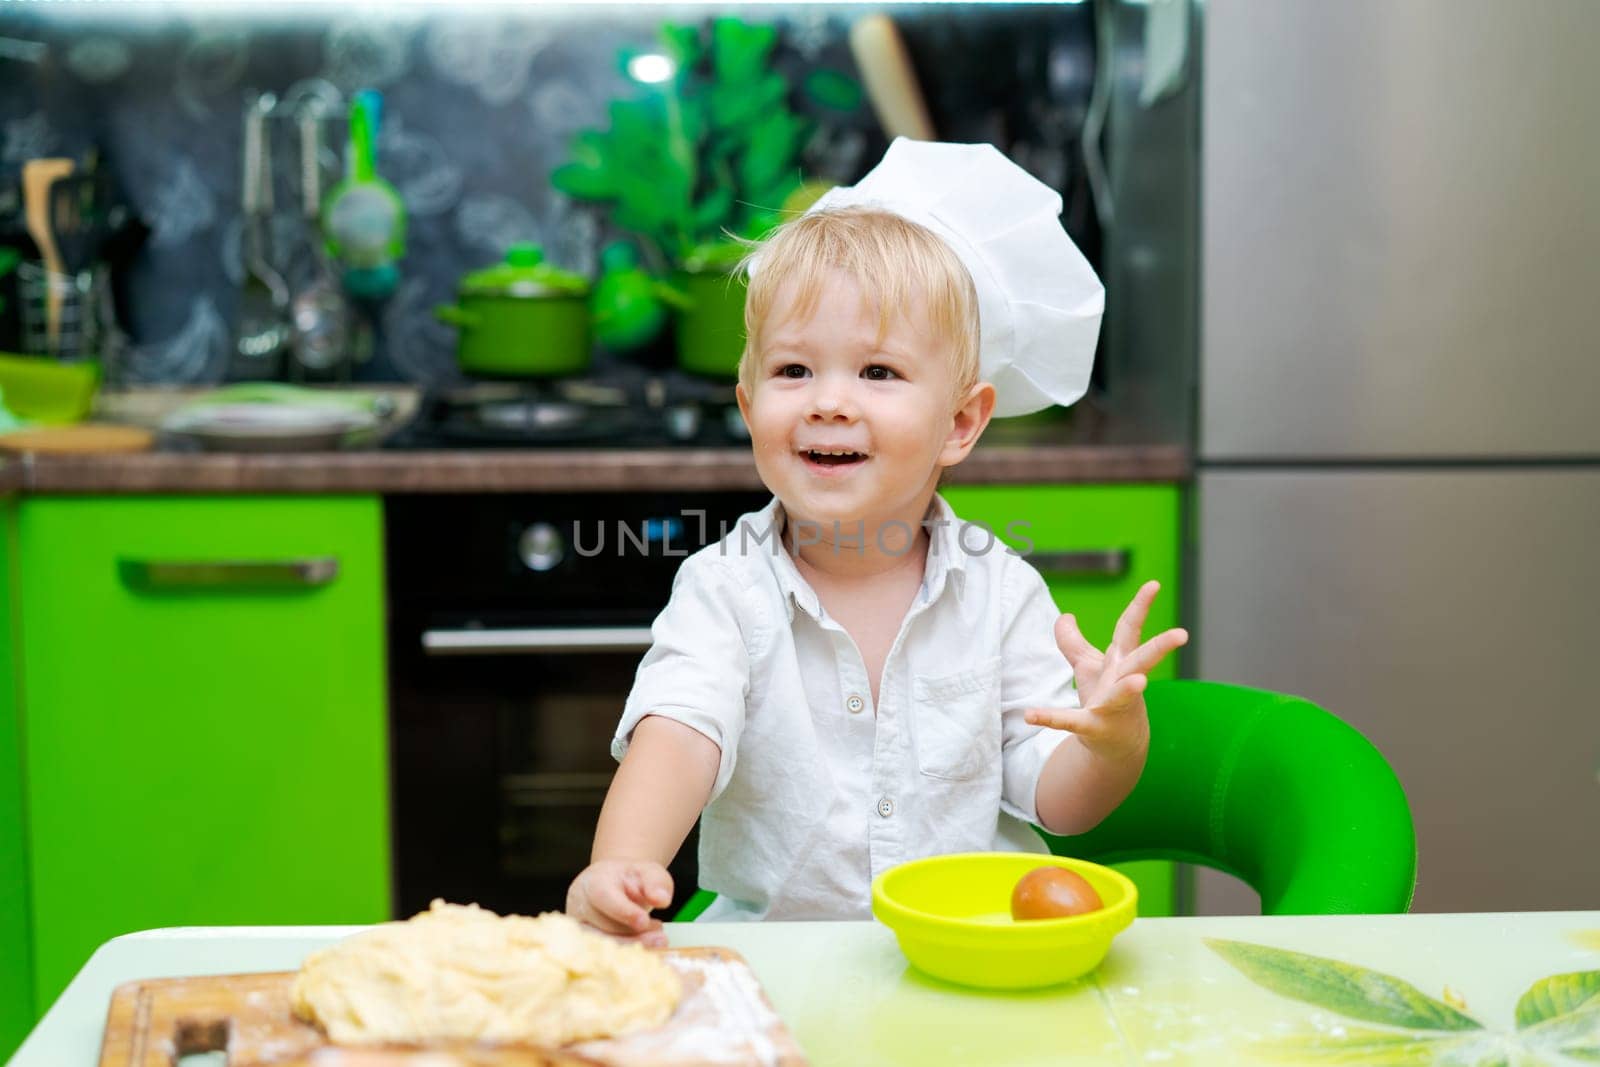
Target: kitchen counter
{"type": "Point", "coordinates": [530, 470]}
{"type": "Point", "coordinates": [1089, 447]}
{"type": "Point", "coordinates": [1280, 989]}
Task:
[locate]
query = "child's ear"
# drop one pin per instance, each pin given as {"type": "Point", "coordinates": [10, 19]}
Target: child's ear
{"type": "Point", "coordinates": [742, 395]}
{"type": "Point", "coordinates": [971, 416]}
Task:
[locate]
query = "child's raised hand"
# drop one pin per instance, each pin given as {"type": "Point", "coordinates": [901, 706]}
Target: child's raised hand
{"type": "Point", "coordinates": [1111, 684]}
{"type": "Point", "coordinates": [616, 897]}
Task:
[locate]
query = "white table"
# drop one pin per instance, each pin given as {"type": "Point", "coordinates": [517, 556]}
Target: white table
{"type": "Point", "coordinates": [1164, 994]}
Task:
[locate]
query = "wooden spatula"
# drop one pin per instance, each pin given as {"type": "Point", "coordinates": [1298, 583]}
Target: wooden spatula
{"type": "Point", "coordinates": [37, 177]}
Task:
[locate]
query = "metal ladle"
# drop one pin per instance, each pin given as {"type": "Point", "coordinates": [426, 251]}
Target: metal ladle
{"type": "Point", "coordinates": [319, 315]}
{"type": "Point", "coordinates": [264, 297]}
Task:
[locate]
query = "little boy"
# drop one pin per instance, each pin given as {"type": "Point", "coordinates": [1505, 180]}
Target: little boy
{"type": "Point", "coordinates": [851, 678]}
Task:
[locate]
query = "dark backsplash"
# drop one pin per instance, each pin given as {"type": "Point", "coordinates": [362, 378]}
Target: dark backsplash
{"type": "Point", "coordinates": [478, 109]}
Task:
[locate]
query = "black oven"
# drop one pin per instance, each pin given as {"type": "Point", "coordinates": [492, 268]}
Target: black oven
{"type": "Point", "coordinates": [515, 626]}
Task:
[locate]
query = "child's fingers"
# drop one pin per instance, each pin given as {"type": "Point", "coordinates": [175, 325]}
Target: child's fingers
{"type": "Point", "coordinates": [1076, 720]}
{"type": "Point", "coordinates": [613, 903]}
{"type": "Point", "coordinates": [1098, 721]}
{"type": "Point", "coordinates": [650, 885]}
{"type": "Point", "coordinates": [1147, 656]}
{"type": "Point", "coordinates": [1131, 622]}
{"type": "Point", "coordinates": [1072, 643]}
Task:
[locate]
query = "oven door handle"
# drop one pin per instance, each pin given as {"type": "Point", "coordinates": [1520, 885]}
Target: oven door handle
{"type": "Point", "coordinates": [542, 641]}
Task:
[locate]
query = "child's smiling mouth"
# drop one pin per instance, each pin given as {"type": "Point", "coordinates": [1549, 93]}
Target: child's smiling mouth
{"type": "Point", "coordinates": [832, 460]}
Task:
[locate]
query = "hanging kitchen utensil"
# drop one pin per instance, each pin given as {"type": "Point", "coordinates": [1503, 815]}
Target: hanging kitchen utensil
{"type": "Point", "coordinates": [890, 79]}
{"type": "Point", "coordinates": [365, 216]}
{"type": "Point", "coordinates": [37, 177]}
{"type": "Point", "coordinates": [77, 220]}
{"type": "Point", "coordinates": [319, 315]}
{"type": "Point", "coordinates": [263, 328]}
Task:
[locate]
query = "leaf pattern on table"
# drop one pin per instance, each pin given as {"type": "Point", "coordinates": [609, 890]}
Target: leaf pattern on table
{"type": "Point", "coordinates": [1559, 994]}
{"type": "Point", "coordinates": [1574, 1033]}
{"type": "Point", "coordinates": [1390, 1048]}
{"type": "Point", "coordinates": [1349, 990]}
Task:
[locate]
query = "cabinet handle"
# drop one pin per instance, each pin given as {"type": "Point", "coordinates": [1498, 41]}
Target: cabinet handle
{"type": "Point", "coordinates": [540, 641]}
{"type": "Point", "coordinates": [1101, 562]}
{"type": "Point", "coordinates": [229, 573]}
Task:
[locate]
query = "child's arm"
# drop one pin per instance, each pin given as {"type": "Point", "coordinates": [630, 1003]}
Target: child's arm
{"type": "Point", "coordinates": [655, 797]}
{"type": "Point", "coordinates": [1094, 770]}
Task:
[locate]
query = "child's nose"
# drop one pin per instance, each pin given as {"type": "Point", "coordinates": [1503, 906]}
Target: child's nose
{"type": "Point", "coordinates": [832, 399]}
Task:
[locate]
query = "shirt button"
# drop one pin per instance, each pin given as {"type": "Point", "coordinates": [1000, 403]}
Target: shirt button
{"type": "Point", "coordinates": [854, 704]}
{"type": "Point", "coordinates": [885, 807]}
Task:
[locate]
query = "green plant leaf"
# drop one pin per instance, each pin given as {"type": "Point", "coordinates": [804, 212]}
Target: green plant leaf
{"type": "Point", "coordinates": [1359, 1046]}
{"type": "Point", "coordinates": [1345, 988]}
{"type": "Point", "coordinates": [774, 142]}
{"type": "Point", "coordinates": [682, 45]}
{"type": "Point", "coordinates": [1557, 995]}
{"type": "Point", "coordinates": [583, 183]}
{"type": "Point", "coordinates": [832, 89]}
{"type": "Point", "coordinates": [589, 149]}
{"type": "Point", "coordinates": [712, 212]}
{"type": "Point", "coordinates": [641, 121]}
{"type": "Point", "coordinates": [735, 106]}
{"type": "Point", "coordinates": [1572, 1033]}
{"type": "Point", "coordinates": [739, 51]}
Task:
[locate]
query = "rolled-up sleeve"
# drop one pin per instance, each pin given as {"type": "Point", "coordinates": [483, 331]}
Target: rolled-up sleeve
{"type": "Point", "coordinates": [697, 670]}
{"type": "Point", "coordinates": [1034, 674]}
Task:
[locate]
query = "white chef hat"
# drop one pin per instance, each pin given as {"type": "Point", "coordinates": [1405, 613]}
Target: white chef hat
{"type": "Point", "coordinates": [1039, 302]}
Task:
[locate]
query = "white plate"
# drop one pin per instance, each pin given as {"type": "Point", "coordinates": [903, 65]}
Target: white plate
{"type": "Point", "coordinates": [269, 427]}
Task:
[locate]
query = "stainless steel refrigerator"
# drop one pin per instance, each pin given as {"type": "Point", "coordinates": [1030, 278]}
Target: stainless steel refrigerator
{"type": "Point", "coordinates": [1397, 508]}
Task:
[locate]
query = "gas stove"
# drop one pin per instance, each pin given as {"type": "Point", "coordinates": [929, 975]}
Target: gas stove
{"type": "Point", "coordinates": [642, 411]}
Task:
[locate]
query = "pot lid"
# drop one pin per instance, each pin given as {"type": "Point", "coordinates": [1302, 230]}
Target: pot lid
{"type": "Point", "coordinates": [524, 273]}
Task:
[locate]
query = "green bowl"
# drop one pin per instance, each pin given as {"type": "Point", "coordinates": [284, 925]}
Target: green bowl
{"type": "Point", "coordinates": [44, 390]}
{"type": "Point", "coordinates": [952, 917]}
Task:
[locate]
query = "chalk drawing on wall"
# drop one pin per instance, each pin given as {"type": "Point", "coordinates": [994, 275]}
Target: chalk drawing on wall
{"type": "Point", "coordinates": [429, 183]}
{"type": "Point", "coordinates": [210, 65]}
{"type": "Point", "coordinates": [490, 56]}
{"type": "Point", "coordinates": [98, 60]}
{"type": "Point", "coordinates": [559, 106]}
{"type": "Point", "coordinates": [29, 137]}
{"type": "Point", "coordinates": [574, 236]}
{"type": "Point", "coordinates": [198, 352]}
{"type": "Point", "coordinates": [361, 54]}
{"type": "Point", "coordinates": [421, 347]}
{"type": "Point", "coordinates": [491, 223]}
{"type": "Point", "coordinates": [183, 206]}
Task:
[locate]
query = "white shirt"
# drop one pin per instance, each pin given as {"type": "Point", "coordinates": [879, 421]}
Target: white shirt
{"type": "Point", "coordinates": [817, 792]}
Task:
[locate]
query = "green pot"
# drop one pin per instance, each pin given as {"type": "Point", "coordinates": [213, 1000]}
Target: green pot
{"type": "Point", "coordinates": [521, 318]}
{"type": "Point", "coordinates": [710, 328]}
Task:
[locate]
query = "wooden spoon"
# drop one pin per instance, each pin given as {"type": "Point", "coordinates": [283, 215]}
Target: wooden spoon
{"type": "Point", "coordinates": [891, 81]}
{"type": "Point", "coordinates": [37, 177]}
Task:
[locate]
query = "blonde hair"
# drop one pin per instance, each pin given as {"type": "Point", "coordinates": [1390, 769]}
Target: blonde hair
{"type": "Point", "coordinates": [890, 258]}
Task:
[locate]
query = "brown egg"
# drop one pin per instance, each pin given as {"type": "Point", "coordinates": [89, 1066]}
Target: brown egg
{"type": "Point", "coordinates": [1053, 893]}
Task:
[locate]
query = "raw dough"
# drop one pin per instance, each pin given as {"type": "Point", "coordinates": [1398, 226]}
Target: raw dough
{"type": "Point", "coordinates": [457, 973]}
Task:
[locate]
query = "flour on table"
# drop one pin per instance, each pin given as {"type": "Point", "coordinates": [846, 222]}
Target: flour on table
{"type": "Point", "coordinates": [461, 973]}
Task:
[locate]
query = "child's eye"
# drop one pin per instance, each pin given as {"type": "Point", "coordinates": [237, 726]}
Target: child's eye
{"type": "Point", "coordinates": [878, 373]}
{"type": "Point", "coordinates": [792, 370]}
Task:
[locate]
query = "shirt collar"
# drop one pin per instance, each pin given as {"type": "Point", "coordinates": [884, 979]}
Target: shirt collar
{"type": "Point", "coordinates": [945, 557]}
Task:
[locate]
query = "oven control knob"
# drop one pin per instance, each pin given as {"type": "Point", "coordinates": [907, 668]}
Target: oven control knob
{"type": "Point", "coordinates": [541, 547]}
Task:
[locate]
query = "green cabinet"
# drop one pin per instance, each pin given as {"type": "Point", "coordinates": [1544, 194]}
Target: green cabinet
{"type": "Point", "coordinates": [16, 940]}
{"type": "Point", "coordinates": [1095, 545]}
{"type": "Point", "coordinates": [202, 717]}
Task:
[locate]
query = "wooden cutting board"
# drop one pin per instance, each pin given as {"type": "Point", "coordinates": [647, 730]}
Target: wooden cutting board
{"type": "Point", "coordinates": [724, 1018]}
{"type": "Point", "coordinates": [83, 439]}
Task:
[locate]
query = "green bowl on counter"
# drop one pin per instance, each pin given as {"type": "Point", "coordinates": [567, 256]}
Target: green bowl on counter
{"type": "Point", "coordinates": [43, 390]}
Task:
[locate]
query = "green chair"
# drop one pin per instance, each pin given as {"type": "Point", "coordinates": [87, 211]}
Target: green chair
{"type": "Point", "coordinates": [1265, 786]}
{"type": "Point", "coordinates": [1269, 788]}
